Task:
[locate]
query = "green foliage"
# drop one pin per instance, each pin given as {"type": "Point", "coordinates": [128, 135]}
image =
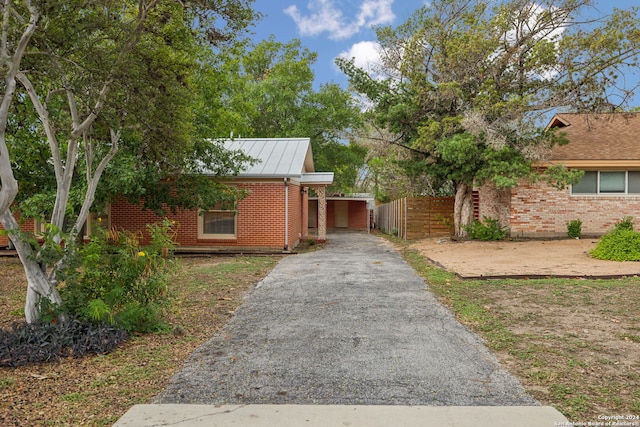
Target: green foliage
{"type": "Point", "coordinates": [574, 228]}
{"type": "Point", "coordinates": [266, 90]}
{"type": "Point", "coordinates": [559, 176]}
{"type": "Point", "coordinates": [116, 281]}
{"type": "Point", "coordinates": [487, 229]}
{"type": "Point", "coordinates": [471, 83]}
{"type": "Point", "coordinates": [618, 245]}
{"type": "Point", "coordinates": [625, 223]}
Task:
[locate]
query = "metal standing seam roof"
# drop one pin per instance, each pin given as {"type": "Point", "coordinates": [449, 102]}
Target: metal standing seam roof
{"type": "Point", "coordinates": [276, 157]}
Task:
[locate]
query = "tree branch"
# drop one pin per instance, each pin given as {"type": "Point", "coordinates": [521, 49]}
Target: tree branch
{"type": "Point", "coordinates": [43, 114]}
{"type": "Point", "coordinates": [8, 183]}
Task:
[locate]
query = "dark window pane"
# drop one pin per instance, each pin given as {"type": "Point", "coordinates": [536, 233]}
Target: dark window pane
{"type": "Point", "coordinates": [634, 182]}
{"type": "Point", "coordinates": [587, 185]}
{"type": "Point", "coordinates": [219, 223]}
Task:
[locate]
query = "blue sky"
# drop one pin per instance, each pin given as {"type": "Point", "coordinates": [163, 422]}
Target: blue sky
{"type": "Point", "coordinates": [335, 27]}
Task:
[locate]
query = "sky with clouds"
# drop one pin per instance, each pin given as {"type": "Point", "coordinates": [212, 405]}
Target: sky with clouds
{"type": "Point", "coordinates": [335, 28]}
{"type": "Point", "coordinates": [331, 28]}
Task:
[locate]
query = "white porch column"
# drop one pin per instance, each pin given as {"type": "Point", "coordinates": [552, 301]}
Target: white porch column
{"type": "Point", "coordinates": [322, 213]}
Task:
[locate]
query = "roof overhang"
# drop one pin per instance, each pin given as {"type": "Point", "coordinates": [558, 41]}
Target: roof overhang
{"type": "Point", "coordinates": [317, 178]}
{"type": "Point", "coordinates": [593, 164]}
{"type": "Point", "coordinates": [557, 121]}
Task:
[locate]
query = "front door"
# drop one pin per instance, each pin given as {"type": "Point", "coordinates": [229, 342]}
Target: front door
{"type": "Point", "coordinates": [341, 214]}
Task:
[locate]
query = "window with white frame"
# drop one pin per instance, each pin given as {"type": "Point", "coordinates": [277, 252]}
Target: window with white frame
{"type": "Point", "coordinates": [608, 183]}
{"type": "Point", "coordinates": [218, 223]}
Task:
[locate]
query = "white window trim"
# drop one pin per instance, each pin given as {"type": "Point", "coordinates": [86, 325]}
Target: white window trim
{"type": "Point", "coordinates": [207, 236]}
{"type": "Point", "coordinates": [607, 194]}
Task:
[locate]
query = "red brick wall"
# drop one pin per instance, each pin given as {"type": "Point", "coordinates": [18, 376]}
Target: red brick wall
{"type": "Point", "coordinates": [129, 217]}
{"type": "Point", "coordinates": [260, 219]}
{"type": "Point", "coordinates": [358, 214]}
{"type": "Point", "coordinates": [494, 203]}
{"type": "Point", "coordinates": [295, 216]}
{"type": "Point", "coordinates": [26, 225]}
{"type": "Point", "coordinates": [539, 210]}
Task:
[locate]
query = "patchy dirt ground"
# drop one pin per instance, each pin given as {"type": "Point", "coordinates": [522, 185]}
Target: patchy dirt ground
{"type": "Point", "coordinates": [526, 258]}
{"type": "Point", "coordinates": [574, 344]}
{"type": "Point", "coordinates": [97, 390]}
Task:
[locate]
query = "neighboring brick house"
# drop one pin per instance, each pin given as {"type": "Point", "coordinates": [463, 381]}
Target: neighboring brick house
{"type": "Point", "coordinates": [273, 217]}
{"type": "Point", "coordinates": [607, 148]}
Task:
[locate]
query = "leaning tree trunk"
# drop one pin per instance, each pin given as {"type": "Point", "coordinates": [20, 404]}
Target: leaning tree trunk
{"type": "Point", "coordinates": [463, 209]}
{"type": "Point", "coordinates": [38, 286]}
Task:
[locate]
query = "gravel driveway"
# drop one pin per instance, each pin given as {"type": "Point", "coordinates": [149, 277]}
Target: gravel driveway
{"type": "Point", "coordinates": [350, 324]}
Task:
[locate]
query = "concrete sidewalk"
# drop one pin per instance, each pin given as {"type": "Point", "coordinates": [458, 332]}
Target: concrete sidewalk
{"type": "Point", "coordinates": [349, 333]}
{"type": "Point", "coordinates": [338, 416]}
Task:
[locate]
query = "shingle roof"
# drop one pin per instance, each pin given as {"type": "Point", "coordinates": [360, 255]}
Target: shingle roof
{"type": "Point", "coordinates": [614, 136]}
{"type": "Point", "coordinates": [277, 157]}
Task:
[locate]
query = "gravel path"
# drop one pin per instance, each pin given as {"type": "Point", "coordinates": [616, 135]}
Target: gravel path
{"type": "Point", "coordinates": [351, 324]}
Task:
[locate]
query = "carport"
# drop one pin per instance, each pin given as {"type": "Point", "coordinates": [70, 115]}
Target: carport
{"type": "Point", "coordinates": [352, 212]}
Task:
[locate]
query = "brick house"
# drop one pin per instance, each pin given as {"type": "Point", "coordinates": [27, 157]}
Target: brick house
{"type": "Point", "coordinates": [273, 217]}
{"type": "Point", "coordinates": [607, 148]}
{"type": "Point", "coordinates": [28, 224]}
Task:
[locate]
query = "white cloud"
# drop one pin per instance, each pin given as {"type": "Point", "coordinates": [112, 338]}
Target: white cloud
{"type": "Point", "coordinates": [366, 55]}
{"type": "Point", "coordinates": [324, 16]}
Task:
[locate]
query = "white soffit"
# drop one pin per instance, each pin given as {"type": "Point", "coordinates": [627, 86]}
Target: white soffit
{"type": "Point", "coordinates": [317, 178]}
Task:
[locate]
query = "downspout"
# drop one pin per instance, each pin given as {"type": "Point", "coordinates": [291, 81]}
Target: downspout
{"type": "Point", "coordinates": [286, 215]}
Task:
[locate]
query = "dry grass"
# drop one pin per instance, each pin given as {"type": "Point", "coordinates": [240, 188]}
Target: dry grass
{"type": "Point", "coordinates": [574, 344]}
{"type": "Point", "coordinates": [97, 390]}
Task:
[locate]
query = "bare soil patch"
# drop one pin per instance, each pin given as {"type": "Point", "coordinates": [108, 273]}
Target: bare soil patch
{"type": "Point", "coordinates": [573, 343]}
{"type": "Point", "coordinates": [526, 258]}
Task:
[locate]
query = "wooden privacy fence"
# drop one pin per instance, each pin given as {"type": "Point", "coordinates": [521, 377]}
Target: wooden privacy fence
{"type": "Point", "coordinates": [414, 218]}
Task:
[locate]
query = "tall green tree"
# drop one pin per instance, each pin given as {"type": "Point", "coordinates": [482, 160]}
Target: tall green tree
{"type": "Point", "coordinates": [469, 82]}
{"type": "Point", "coordinates": [269, 93]}
{"type": "Point", "coordinates": [86, 83]}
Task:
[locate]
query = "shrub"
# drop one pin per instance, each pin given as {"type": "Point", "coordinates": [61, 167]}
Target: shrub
{"type": "Point", "coordinates": [26, 343]}
{"type": "Point", "coordinates": [488, 229]}
{"type": "Point", "coordinates": [625, 223]}
{"type": "Point", "coordinates": [116, 281]}
{"type": "Point", "coordinates": [574, 228]}
{"type": "Point", "coordinates": [619, 245]}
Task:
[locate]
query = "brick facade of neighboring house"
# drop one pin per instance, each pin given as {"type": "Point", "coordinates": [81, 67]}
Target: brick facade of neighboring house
{"type": "Point", "coordinates": [607, 148]}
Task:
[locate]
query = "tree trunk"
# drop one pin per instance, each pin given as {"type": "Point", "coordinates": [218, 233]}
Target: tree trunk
{"type": "Point", "coordinates": [463, 208]}
{"type": "Point", "coordinates": [38, 286]}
